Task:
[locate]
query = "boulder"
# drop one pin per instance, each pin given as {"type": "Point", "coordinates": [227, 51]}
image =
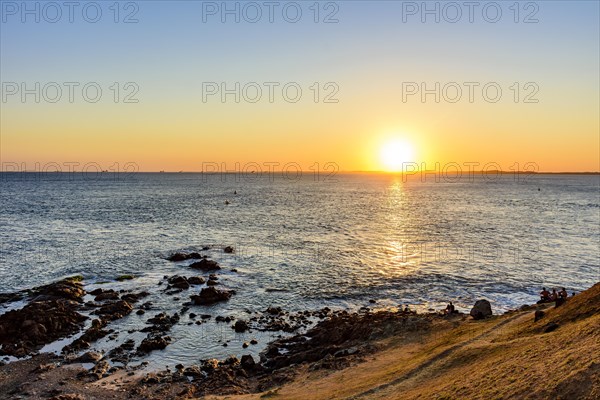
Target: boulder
{"type": "Point", "coordinates": [134, 297]}
{"type": "Point", "coordinates": [153, 343]}
{"type": "Point", "coordinates": [183, 256]}
{"type": "Point", "coordinates": [205, 265]}
{"type": "Point", "coordinates": [196, 280]}
{"type": "Point", "coordinates": [107, 295]}
{"type": "Point", "coordinates": [482, 309]}
{"type": "Point", "coordinates": [211, 295]}
{"type": "Point", "coordinates": [115, 310]}
{"type": "Point", "coordinates": [228, 249]}
{"type": "Point", "coordinates": [178, 257]}
{"type": "Point", "coordinates": [248, 362]}
{"type": "Point", "coordinates": [240, 326]}
{"type": "Point", "coordinates": [89, 357]}
{"type": "Point", "coordinates": [179, 282]}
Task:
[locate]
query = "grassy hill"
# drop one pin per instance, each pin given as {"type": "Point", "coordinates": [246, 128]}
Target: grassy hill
{"type": "Point", "coordinates": [508, 356]}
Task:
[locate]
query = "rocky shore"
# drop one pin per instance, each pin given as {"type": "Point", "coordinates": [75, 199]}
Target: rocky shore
{"type": "Point", "coordinates": [309, 341]}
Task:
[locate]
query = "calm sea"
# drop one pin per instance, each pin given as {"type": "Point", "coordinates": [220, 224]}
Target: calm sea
{"type": "Point", "coordinates": [310, 242]}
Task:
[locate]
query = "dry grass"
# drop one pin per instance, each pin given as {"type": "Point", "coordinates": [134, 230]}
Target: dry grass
{"type": "Point", "coordinates": [504, 357]}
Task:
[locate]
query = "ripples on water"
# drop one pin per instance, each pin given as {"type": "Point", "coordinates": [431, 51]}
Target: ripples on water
{"type": "Point", "coordinates": [305, 244]}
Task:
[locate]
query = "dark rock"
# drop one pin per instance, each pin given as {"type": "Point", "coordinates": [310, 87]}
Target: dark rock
{"type": "Point", "coordinates": [153, 343]}
{"type": "Point", "coordinates": [100, 369]}
{"type": "Point", "coordinates": [89, 357]}
{"type": "Point", "coordinates": [146, 306]}
{"type": "Point", "coordinates": [274, 310]}
{"type": "Point", "coordinates": [179, 282]}
{"type": "Point", "coordinates": [107, 295]}
{"type": "Point", "coordinates": [161, 323]}
{"type": "Point", "coordinates": [240, 326]}
{"type": "Point", "coordinates": [248, 362]}
{"type": "Point", "coordinates": [552, 326]}
{"type": "Point", "coordinates": [67, 289]}
{"type": "Point", "coordinates": [205, 265]}
{"type": "Point", "coordinates": [94, 333]}
{"type": "Point", "coordinates": [212, 282]}
{"type": "Point", "coordinates": [51, 316]}
{"type": "Point", "coordinates": [114, 311]}
{"type": "Point", "coordinates": [193, 371]}
{"type": "Point", "coordinates": [134, 297]}
{"type": "Point", "coordinates": [210, 365]}
{"type": "Point", "coordinates": [228, 249]}
{"type": "Point", "coordinates": [211, 295]}
{"type": "Point", "coordinates": [482, 309]}
{"type": "Point", "coordinates": [184, 256]}
{"type": "Point", "coordinates": [178, 257]}
{"type": "Point", "coordinates": [196, 280]}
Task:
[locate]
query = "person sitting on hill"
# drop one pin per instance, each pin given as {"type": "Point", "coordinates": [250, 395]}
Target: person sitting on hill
{"type": "Point", "coordinates": [563, 294]}
{"type": "Point", "coordinates": [544, 295]}
{"type": "Point", "coordinates": [449, 308]}
{"type": "Point", "coordinates": [553, 295]}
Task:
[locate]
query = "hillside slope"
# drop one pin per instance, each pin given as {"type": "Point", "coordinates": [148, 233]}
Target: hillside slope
{"type": "Point", "coordinates": [508, 356]}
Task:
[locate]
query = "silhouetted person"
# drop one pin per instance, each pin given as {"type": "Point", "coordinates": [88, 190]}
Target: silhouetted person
{"type": "Point", "coordinates": [544, 295]}
{"type": "Point", "coordinates": [450, 308]}
{"type": "Point", "coordinates": [563, 294]}
{"type": "Point", "coordinates": [553, 295]}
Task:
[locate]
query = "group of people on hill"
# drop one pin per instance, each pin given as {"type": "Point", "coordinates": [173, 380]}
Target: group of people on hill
{"type": "Point", "coordinates": [546, 296]}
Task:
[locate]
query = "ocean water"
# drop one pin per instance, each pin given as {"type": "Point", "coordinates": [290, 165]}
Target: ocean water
{"type": "Point", "coordinates": [309, 242]}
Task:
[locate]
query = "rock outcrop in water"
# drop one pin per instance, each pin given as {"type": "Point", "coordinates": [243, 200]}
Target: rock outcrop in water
{"type": "Point", "coordinates": [183, 256]}
{"type": "Point", "coordinates": [205, 265]}
{"type": "Point", "coordinates": [211, 295]}
{"type": "Point", "coordinates": [51, 315]}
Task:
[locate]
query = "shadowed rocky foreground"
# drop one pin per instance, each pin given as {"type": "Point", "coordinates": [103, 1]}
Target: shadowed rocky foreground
{"type": "Point", "coordinates": [535, 352]}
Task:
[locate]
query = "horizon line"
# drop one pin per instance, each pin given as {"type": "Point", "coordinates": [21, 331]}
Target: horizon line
{"type": "Point", "coordinates": [489, 172]}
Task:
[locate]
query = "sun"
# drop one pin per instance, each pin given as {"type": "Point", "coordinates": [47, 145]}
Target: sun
{"type": "Point", "coordinates": [394, 153]}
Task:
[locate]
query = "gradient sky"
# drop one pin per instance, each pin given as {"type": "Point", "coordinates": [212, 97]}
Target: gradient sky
{"type": "Point", "coordinates": [369, 53]}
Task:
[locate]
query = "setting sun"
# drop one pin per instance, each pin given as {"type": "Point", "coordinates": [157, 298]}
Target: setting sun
{"type": "Point", "coordinates": [395, 152]}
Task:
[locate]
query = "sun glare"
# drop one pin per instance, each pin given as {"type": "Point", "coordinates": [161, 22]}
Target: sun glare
{"type": "Point", "coordinates": [394, 153]}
